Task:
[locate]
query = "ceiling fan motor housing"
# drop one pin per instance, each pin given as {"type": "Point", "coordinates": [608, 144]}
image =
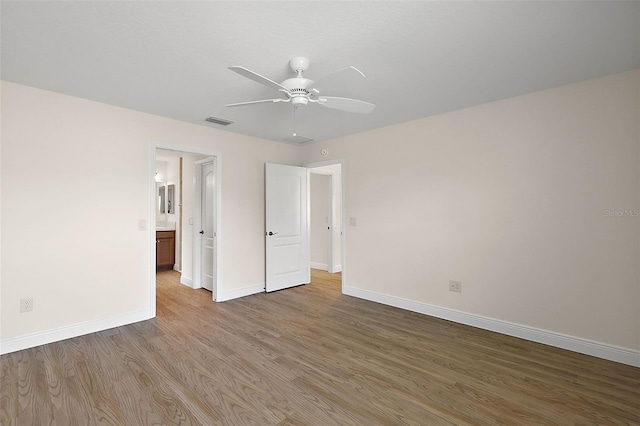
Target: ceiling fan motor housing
{"type": "Point", "coordinates": [297, 90]}
{"type": "Point", "coordinates": [297, 85]}
{"type": "Point", "coordinates": [299, 63]}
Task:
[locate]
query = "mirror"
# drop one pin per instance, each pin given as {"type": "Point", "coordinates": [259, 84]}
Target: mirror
{"type": "Point", "coordinates": [171, 190]}
{"type": "Point", "coordinates": [165, 203]}
{"type": "Point", "coordinates": [161, 197]}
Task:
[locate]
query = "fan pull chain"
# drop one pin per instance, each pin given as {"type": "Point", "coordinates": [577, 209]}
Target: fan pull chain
{"type": "Point", "coordinates": [294, 122]}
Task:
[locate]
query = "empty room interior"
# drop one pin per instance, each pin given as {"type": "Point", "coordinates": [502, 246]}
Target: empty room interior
{"type": "Point", "coordinates": [316, 213]}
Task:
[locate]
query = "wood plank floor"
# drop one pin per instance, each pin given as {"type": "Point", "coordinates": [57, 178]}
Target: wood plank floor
{"type": "Point", "coordinates": [307, 356]}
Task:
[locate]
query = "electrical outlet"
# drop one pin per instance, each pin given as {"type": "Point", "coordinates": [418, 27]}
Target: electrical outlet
{"type": "Point", "coordinates": [455, 286]}
{"type": "Point", "coordinates": [26, 305]}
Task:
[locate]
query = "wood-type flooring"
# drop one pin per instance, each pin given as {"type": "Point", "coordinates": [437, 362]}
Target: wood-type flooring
{"type": "Point", "coordinates": [307, 356]}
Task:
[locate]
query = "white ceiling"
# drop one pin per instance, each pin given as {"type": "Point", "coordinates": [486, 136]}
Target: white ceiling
{"type": "Point", "coordinates": [420, 58]}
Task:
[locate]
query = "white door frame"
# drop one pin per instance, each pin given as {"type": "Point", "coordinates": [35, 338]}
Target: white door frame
{"type": "Point", "coordinates": [152, 213]}
{"type": "Point", "coordinates": [343, 242]}
{"type": "Point", "coordinates": [197, 224]}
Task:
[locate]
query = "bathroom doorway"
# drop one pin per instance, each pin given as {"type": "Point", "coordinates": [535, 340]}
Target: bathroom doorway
{"type": "Point", "coordinates": [175, 197]}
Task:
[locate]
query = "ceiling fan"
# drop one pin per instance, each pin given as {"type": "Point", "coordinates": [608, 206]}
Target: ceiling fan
{"type": "Point", "coordinates": [300, 91]}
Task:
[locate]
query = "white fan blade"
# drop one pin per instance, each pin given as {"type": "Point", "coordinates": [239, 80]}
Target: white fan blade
{"type": "Point", "coordinates": [256, 102]}
{"type": "Point", "coordinates": [346, 104]}
{"type": "Point", "coordinates": [258, 78]}
{"type": "Point", "coordinates": [335, 77]}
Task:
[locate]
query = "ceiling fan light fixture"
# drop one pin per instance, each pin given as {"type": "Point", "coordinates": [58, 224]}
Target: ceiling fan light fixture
{"type": "Point", "coordinates": [299, 101]}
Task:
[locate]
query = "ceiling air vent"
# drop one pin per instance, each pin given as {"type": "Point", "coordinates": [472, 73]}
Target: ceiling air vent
{"type": "Point", "coordinates": [298, 140]}
{"type": "Point", "coordinates": [218, 120]}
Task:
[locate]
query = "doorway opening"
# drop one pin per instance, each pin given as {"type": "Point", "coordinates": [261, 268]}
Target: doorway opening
{"type": "Point", "coordinates": [287, 223]}
{"type": "Point", "coordinates": [174, 200]}
{"type": "Point", "coordinates": [327, 217]}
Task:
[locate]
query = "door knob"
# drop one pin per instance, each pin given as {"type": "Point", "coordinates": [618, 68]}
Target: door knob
{"type": "Point", "coordinates": [272, 233]}
{"type": "Point", "coordinates": [202, 232]}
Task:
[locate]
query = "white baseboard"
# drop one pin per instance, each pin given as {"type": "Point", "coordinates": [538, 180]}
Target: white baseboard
{"type": "Point", "coordinates": [563, 341]}
{"type": "Point", "coordinates": [337, 268]}
{"type": "Point", "coordinates": [321, 266]}
{"type": "Point", "coordinates": [186, 281]}
{"type": "Point", "coordinates": [19, 343]}
{"type": "Point", "coordinates": [240, 292]}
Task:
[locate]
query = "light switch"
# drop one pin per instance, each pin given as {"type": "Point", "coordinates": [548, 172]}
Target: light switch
{"type": "Point", "coordinates": [142, 225]}
{"type": "Point", "coordinates": [352, 221]}
{"type": "Point", "coordinates": [190, 221]}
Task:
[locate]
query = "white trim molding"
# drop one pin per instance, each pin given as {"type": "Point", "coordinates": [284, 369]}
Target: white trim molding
{"type": "Point", "coordinates": [321, 266]}
{"type": "Point", "coordinates": [558, 340]}
{"type": "Point", "coordinates": [27, 341]}
{"type": "Point", "coordinates": [240, 292]}
{"type": "Point", "coordinates": [186, 281]}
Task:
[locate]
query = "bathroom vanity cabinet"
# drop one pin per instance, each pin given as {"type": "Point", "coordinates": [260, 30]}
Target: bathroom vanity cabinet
{"type": "Point", "coordinates": [165, 250]}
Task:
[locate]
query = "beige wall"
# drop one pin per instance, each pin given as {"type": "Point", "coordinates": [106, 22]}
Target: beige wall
{"type": "Point", "coordinates": [510, 198]}
{"type": "Point", "coordinates": [335, 170]}
{"type": "Point", "coordinates": [75, 183]}
{"type": "Point", "coordinates": [319, 203]}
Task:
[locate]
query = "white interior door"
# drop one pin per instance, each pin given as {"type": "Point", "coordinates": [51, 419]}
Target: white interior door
{"type": "Point", "coordinates": [287, 223]}
{"type": "Point", "coordinates": [208, 231]}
